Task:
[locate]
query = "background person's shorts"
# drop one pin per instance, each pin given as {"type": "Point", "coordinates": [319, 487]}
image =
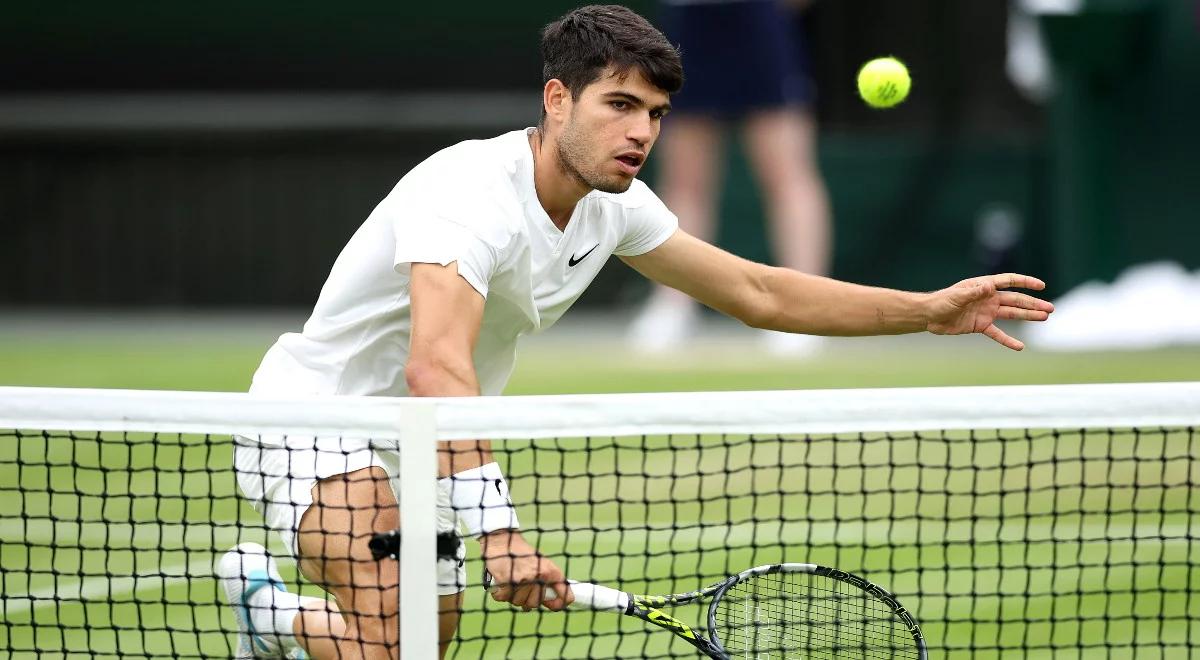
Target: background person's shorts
{"type": "Point", "coordinates": [277, 477]}
{"type": "Point", "coordinates": [738, 57]}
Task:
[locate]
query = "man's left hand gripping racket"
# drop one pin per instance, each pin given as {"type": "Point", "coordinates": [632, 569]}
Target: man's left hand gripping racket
{"type": "Point", "coordinates": [778, 611]}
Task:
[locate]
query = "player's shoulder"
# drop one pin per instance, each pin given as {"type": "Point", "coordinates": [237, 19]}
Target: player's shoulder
{"type": "Point", "coordinates": [492, 157]}
{"type": "Point", "coordinates": [470, 184]}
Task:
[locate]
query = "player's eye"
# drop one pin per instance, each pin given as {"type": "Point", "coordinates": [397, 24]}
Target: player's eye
{"type": "Point", "coordinates": [657, 114]}
{"type": "Point", "coordinates": [619, 105]}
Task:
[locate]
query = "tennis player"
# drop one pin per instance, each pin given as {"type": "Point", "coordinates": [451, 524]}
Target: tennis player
{"type": "Point", "coordinates": [484, 242]}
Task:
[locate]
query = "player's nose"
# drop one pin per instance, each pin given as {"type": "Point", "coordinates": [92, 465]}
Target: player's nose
{"type": "Point", "coordinates": [641, 130]}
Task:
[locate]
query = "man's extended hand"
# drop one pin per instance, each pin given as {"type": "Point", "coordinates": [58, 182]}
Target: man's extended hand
{"type": "Point", "coordinates": [520, 574]}
{"type": "Point", "coordinates": [976, 304]}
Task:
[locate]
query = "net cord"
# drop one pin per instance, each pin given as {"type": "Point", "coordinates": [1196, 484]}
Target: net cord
{"type": "Point", "coordinates": [549, 416]}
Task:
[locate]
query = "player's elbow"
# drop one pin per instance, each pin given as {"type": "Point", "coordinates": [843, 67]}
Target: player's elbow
{"type": "Point", "coordinates": [758, 315]}
{"type": "Point", "coordinates": [754, 318]}
{"type": "Point", "coordinates": [755, 306]}
{"type": "Point", "coordinates": [440, 374]}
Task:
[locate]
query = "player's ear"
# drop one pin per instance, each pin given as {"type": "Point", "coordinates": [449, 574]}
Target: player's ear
{"type": "Point", "coordinates": [556, 99]}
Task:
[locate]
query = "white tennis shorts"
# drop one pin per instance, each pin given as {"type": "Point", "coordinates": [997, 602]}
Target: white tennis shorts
{"type": "Point", "coordinates": [277, 476]}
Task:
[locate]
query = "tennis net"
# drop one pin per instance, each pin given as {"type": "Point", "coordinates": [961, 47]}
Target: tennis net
{"type": "Point", "coordinates": [1048, 521]}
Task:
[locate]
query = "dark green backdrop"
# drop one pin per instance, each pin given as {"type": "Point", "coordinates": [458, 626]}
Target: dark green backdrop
{"type": "Point", "coordinates": [1100, 178]}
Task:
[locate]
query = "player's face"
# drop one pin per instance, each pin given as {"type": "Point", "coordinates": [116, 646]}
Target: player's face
{"type": "Point", "coordinates": [610, 130]}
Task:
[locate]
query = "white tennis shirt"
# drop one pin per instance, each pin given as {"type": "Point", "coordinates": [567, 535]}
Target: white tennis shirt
{"type": "Point", "coordinates": [473, 203]}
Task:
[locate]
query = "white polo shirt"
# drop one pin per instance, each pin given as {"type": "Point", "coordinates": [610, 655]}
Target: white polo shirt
{"type": "Point", "coordinates": [473, 203]}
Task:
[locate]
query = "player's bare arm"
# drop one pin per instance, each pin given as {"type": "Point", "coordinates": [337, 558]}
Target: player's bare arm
{"type": "Point", "coordinates": [446, 316]}
{"type": "Point", "coordinates": [790, 301]}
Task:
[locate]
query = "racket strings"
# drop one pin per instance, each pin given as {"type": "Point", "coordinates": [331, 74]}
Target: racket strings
{"type": "Point", "coordinates": [801, 615]}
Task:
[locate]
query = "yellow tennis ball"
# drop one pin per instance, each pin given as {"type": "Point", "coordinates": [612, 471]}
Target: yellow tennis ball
{"type": "Point", "coordinates": [883, 82]}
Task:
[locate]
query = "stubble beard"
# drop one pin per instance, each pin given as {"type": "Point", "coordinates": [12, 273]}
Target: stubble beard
{"type": "Point", "coordinates": [573, 157]}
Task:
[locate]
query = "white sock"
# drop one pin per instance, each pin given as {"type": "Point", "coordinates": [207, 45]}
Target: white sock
{"type": "Point", "coordinates": [273, 614]}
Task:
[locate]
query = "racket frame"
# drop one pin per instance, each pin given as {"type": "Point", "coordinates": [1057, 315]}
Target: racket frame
{"type": "Point", "coordinates": [648, 608]}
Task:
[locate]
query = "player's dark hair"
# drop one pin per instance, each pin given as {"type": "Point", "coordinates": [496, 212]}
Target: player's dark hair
{"type": "Point", "coordinates": [579, 46]}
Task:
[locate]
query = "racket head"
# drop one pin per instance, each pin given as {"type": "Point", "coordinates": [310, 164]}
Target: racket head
{"type": "Point", "coordinates": [807, 610]}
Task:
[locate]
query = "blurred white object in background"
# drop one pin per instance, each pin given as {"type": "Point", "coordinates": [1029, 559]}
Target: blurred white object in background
{"type": "Point", "coordinates": [1051, 6]}
{"type": "Point", "coordinates": [1027, 63]}
{"type": "Point", "coordinates": [663, 324]}
{"type": "Point", "coordinates": [1148, 306]}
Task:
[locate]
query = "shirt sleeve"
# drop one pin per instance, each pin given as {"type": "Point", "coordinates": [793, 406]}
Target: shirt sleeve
{"type": "Point", "coordinates": [432, 239]}
{"type": "Point", "coordinates": [647, 226]}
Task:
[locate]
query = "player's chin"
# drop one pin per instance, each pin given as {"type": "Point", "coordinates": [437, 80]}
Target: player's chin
{"type": "Point", "coordinates": [613, 184]}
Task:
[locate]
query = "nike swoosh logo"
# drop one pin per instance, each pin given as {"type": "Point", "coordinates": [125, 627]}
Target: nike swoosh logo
{"type": "Point", "coordinates": [574, 260]}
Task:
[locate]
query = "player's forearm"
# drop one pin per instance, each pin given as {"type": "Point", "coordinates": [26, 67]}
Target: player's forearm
{"type": "Point", "coordinates": [462, 455]}
{"type": "Point", "coordinates": [798, 302]}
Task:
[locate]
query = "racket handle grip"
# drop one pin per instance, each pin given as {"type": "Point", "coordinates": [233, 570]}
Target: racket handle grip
{"type": "Point", "coordinates": [594, 597]}
{"type": "Point", "coordinates": [587, 595]}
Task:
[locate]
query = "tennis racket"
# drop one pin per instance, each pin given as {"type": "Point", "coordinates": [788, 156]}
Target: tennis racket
{"type": "Point", "coordinates": [777, 611]}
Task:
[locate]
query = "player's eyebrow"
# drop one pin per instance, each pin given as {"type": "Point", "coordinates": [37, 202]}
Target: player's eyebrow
{"type": "Point", "coordinates": [636, 100]}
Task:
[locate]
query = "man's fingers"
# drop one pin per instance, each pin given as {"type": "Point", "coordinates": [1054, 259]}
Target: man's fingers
{"type": "Point", "coordinates": [1018, 314]}
{"type": "Point", "coordinates": [567, 595]}
{"type": "Point", "coordinates": [1017, 281]}
{"type": "Point", "coordinates": [968, 295]}
{"type": "Point", "coordinates": [526, 596]}
{"type": "Point", "coordinates": [529, 595]}
{"type": "Point", "coordinates": [1024, 301]}
{"type": "Point", "coordinates": [530, 581]}
{"type": "Point", "coordinates": [998, 335]}
{"type": "Point", "coordinates": [557, 596]}
{"type": "Point", "coordinates": [501, 593]}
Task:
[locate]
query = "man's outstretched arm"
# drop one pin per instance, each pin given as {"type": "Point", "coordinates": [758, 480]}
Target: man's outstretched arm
{"type": "Point", "coordinates": [790, 301]}
{"type": "Point", "coordinates": [446, 316]}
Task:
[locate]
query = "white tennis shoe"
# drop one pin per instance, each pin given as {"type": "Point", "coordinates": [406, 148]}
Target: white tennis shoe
{"type": "Point", "coordinates": [664, 323]}
{"type": "Point", "coordinates": [243, 571]}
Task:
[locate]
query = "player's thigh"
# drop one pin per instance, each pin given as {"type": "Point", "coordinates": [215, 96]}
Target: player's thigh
{"type": "Point", "coordinates": [277, 474]}
{"type": "Point", "coordinates": [333, 536]}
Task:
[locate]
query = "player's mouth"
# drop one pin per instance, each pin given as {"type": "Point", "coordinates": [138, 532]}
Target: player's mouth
{"type": "Point", "coordinates": [631, 161]}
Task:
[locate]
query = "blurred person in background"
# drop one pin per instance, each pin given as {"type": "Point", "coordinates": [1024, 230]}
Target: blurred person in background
{"type": "Point", "coordinates": [746, 66]}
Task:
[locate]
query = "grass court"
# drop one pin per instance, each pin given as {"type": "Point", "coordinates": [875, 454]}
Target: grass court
{"type": "Point", "coordinates": [1042, 541]}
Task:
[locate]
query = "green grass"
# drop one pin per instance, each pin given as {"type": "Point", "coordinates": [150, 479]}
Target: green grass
{"type": "Point", "coordinates": [987, 541]}
{"type": "Point", "coordinates": [216, 365]}
{"type": "Point", "coordinates": [991, 524]}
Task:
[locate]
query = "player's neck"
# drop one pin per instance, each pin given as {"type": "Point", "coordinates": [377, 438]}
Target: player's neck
{"type": "Point", "coordinates": [557, 190]}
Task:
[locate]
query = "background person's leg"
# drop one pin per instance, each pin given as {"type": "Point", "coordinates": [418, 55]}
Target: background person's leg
{"type": "Point", "coordinates": [781, 148]}
{"type": "Point", "coordinates": [689, 179]}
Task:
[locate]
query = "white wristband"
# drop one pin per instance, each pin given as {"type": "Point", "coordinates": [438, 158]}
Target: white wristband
{"type": "Point", "coordinates": [480, 498]}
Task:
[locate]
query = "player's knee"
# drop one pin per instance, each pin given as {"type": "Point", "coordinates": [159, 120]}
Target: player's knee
{"type": "Point", "coordinates": [361, 587]}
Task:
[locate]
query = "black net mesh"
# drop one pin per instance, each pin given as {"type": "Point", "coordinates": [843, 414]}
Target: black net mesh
{"type": "Point", "coordinates": [1038, 543]}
